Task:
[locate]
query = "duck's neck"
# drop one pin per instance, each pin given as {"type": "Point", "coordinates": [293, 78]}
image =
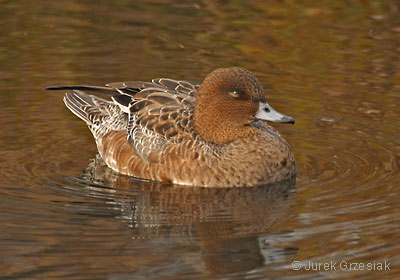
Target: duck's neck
{"type": "Point", "coordinates": [218, 127]}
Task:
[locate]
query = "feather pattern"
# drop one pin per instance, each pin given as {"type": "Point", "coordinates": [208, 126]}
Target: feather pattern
{"type": "Point", "coordinates": [157, 115]}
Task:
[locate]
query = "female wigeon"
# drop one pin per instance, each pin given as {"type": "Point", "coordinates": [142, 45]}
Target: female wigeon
{"type": "Point", "coordinates": [214, 134]}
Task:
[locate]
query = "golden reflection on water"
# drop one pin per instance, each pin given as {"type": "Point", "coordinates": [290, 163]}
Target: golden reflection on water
{"type": "Point", "coordinates": [333, 65]}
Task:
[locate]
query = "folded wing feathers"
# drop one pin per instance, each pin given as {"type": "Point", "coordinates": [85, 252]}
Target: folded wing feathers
{"type": "Point", "coordinates": [184, 87]}
{"type": "Point", "coordinates": [157, 116]}
{"type": "Point", "coordinates": [156, 112]}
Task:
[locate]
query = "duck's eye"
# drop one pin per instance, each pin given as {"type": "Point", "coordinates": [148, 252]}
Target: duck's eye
{"type": "Point", "coordinates": [236, 93]}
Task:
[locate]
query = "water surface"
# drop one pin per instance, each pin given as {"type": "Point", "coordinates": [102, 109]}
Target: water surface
{"type": "Point", "coordinates": [333, 65]}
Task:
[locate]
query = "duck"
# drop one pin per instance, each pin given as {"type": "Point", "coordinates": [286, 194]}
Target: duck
{"type": "Point", "coordinates": [213, 134]}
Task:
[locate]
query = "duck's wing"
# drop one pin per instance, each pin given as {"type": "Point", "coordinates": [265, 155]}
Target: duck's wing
{"type": "Point", "coordinates": [160, 113]}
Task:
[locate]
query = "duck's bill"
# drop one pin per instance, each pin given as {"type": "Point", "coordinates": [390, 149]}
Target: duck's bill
{"type": "Point", "coordinates": [266, 112]}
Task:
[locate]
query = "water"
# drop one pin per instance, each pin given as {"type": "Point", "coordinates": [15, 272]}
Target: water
{"type": "Point", "coordinates": [333, 65]}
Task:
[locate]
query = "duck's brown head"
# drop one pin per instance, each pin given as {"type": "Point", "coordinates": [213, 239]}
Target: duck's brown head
{"type": "Point", "coordinates": [227, 102]}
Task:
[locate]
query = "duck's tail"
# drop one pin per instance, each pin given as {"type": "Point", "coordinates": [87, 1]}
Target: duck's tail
{"type": "Point", "coordinates": [80, 103]}
{"type": "Point", "coordinates": [83, 105]}
{"type": "Point", "coordinates": [99, 114]}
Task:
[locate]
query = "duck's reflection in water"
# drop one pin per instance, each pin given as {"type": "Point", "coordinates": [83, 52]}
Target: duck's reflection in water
{"type": "Point", "coordinates": [231, 225]}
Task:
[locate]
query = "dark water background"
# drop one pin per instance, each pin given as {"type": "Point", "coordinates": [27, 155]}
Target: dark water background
{"type": "Point", "coordinates": [332, 65]}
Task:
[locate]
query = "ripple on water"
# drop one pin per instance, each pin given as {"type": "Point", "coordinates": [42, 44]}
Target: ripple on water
{"type": "Point", "coordinates": [351, 157]}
